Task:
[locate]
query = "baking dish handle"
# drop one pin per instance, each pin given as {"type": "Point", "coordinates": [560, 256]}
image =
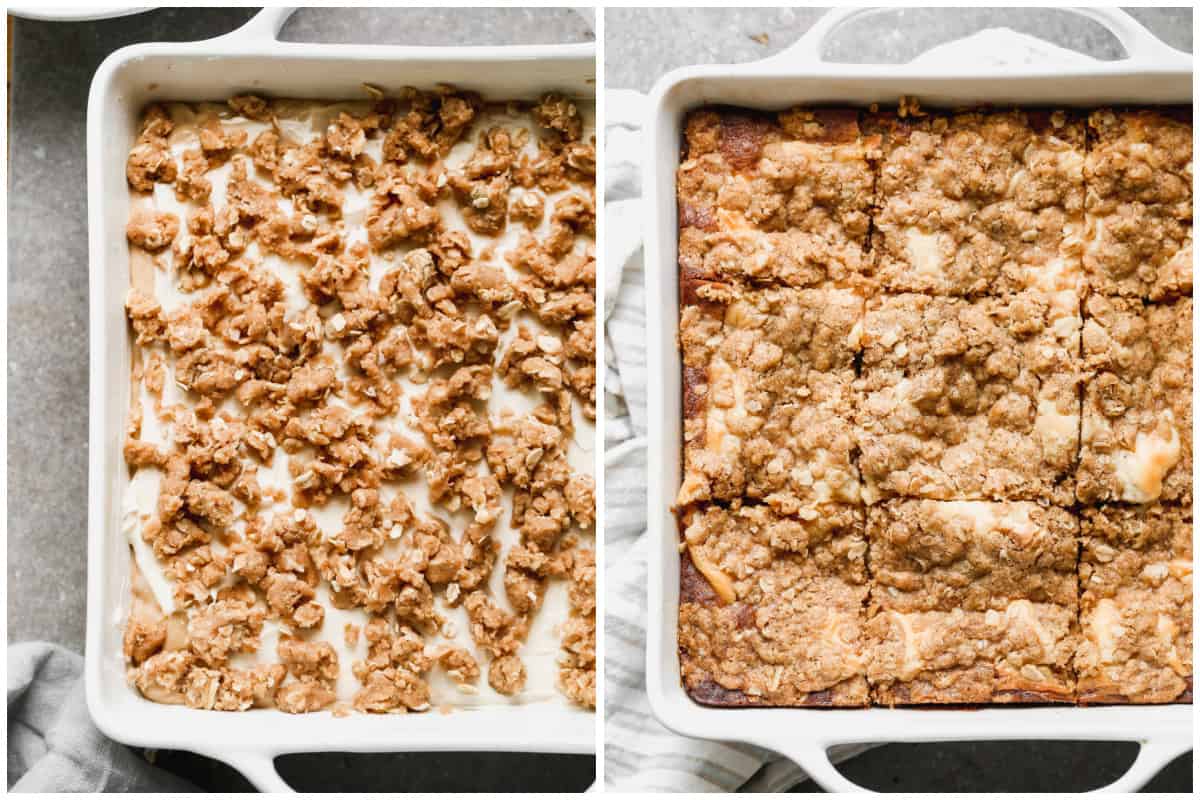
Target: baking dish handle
{"type": "Point", "coordinates": [1153, 755]}
{"type": "Point", "coordinates": [262, 27]}
{"type": "Point", "coordinates": [1143, 49]}
{"type": "Point", "coordinates": [814, 759]}
{"type": "Point", "coordinates": [256, 767]}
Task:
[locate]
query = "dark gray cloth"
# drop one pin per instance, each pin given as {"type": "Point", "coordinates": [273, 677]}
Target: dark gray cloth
{"type": "Point", "coordinates": [53, 746]}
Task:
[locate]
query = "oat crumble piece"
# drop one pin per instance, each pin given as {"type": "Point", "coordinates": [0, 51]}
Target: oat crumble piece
{"type": "Point", "coordinates": [392, 674]}
{"type": "Point", "coordinates": [1139, 203]}
{"type": "Point", "coordinates": [143, 639]}
{"type": "Point", "coordinates": [506, 675]}
{"type": "Point", "coordinates": [1137, 407]}
{"type": "Point", "coordinates": [460, 665]}
{"type": "Point", "coordinates": [1135, 574]}
{"type": "Point", "coordinates": [979, 202]}
{"type": "Point", "coordinates": [970, 399]}
{"type": "Point", "coordinates": [150, 159]}
{"type": "Point", "coordinates": [772, 607]}
{"type": "Point", "coordinates": [151, 230]}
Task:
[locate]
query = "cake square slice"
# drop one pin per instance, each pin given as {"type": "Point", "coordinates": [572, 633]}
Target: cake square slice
{"type": "Point", "coordinates": [1135, 571]}
{"type": "Point", "coordinates": [768, 395]}
{"type": "Point", "coordinates": [772, 608]}
{"type": "Point", "coordinates": [969, 399]}
{"type": "Point", "coordinates": [934, 555]}
{"type": "Point", "coordinates": [971, 602]}
{"type": "Point", "coordinates": [1137, 408]}
{"type": "Point", "coordinates": [978, 203]}
{"type": "Point", "coordinates": [1139, 202]}
{"type": "Point", "coordinates": [774, 199]}
{"type": "Point", "coordinates": [1019, 655]}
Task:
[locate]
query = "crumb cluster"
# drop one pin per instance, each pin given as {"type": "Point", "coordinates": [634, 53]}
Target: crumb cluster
{"type": "Point", "coordinates": [937, 406]}
{"type": "Point", "coordinates": [364, 349]}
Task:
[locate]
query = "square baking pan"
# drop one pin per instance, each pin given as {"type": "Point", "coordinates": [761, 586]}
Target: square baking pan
{"type": "Point", "coordinates": [251, 59]}
{"type": "Point", "coordinates": [1152, 73]}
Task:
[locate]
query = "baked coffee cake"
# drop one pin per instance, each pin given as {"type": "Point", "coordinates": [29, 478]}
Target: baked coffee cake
{"type": "Point", "coordinates": [1137, 408]}
{"type": "Point", "coordinates": [1135, 573]}
{"type": "Point", "coordinates": [1139, 203]}
{"type": "Point", "coordinates": [945, 457]}
{"type": "Point", "coordinates": [771, 610]}
{"type": "Point", "coordinates": [362, 404]}
{"type": "Point", "coordinates": [768, 378]}
{"type": "Point", "coordinates": [970, 399]}
{"type": "Point", "coordinates": [978, 203]}
{"type": "Point", "coordinates": [775, 199]}
{"type": "Point", "coordinates": [972, 602]}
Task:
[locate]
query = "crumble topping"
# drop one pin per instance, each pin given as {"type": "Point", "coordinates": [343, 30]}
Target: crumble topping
{"type": "Point", "coordinates": [970, 399]}
{"type": "Point", "coordinates": [1139, 203]}
{"type": "Point", "coordinates": [360, 431]}
{"type": "Point", "coordinates": [979, 203]}
{"type": "Point", "coordinates": [1135, 574]}
{"type": "Point", "coordinates": [1137, 407]}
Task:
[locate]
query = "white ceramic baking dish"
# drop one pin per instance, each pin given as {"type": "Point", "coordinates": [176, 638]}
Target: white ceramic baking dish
{"type": "Point", "coordinates": [252, 59]}
{"type": "Point", "coordinates": [1152, 73]}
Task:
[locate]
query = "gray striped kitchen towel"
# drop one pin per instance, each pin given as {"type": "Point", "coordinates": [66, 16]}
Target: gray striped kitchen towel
{"type": "Point", "coordinates": [639, 753]}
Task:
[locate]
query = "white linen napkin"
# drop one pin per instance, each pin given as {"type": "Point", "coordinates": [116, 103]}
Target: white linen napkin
{"type": "Point", "coordinates": [53, 746]}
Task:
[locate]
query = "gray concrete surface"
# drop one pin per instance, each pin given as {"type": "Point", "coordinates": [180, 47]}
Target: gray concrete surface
{"type": "Point", "coordinates": [52, 67]}
{"type": "Point", "coordinates": [641, 44]}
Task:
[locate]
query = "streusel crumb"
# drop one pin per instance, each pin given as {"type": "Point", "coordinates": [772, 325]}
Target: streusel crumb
{"type": "Point", "coordinates": [1139, 203]}
{"type": "Point", "coordinates": [1135, 574]}
{"type": "Point", "coordinates": [970, 399]}
{"type": "Point", "coordinates": [1137, 407]}
{"type": "Point", "coordinates": [772, 607]}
